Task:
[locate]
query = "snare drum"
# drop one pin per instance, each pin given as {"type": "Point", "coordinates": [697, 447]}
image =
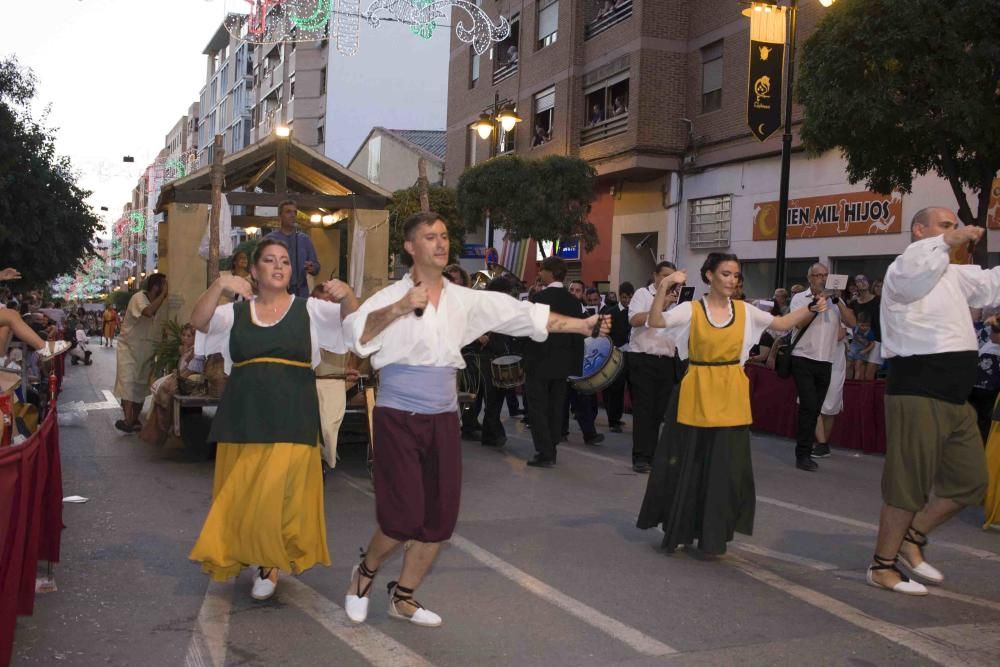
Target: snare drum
{"type": "Point", "coordinates": [507, 372]}
{"type": "Point", "coordinates": [602, 364]}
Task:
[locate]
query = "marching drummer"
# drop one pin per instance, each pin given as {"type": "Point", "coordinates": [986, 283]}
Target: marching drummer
{"type": "Point", "coordinates": [414, 330]}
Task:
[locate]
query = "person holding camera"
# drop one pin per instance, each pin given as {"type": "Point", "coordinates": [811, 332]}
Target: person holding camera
{"type": "Point", "coordinates": [812, 361]}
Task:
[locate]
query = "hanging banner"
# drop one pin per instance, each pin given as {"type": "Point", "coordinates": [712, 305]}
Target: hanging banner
{"type": "Point", "coordinates": [993, 210]}
{"type": "Point", "coordinates": [767, 57]}
{"type": "Point", "coordinates": [849, 214]}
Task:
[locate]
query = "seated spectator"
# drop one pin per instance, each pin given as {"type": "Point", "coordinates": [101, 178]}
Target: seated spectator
{"type": "Point", "coordinates": [607, 7]}
{"type": "Point", "coordinates": [511, 56]}
{"type": "Point", "coordinates": [619, 107]}
{"type": "Point", "coordinates": [781, 300]}
{"type": "Point", "coordinates": [157, 427]}
{"type": "Point", "coordinates": [862, 343]}
{"type": "Point", "coordinates": [987, 387]}
{"type": "Point", "coordinates": [596, 114]}
{"type": "Point", "coordinates": [79, 351]}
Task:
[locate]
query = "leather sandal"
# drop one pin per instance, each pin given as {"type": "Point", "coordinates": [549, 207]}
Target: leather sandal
{"type": "Point", "coordinates": [402, 595]}
{"type": "Point", "coordinates": [925, 570]}
{"type": "Point", "coordinates": [356, 604]}
{"type": "Point", "coordinates": [905, 586]}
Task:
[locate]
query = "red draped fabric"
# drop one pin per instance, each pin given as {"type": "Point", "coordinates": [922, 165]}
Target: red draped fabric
{"type": "Point", "coordinates": [861, 425]}
{"type": "Point", "coordinates": [30, 522]}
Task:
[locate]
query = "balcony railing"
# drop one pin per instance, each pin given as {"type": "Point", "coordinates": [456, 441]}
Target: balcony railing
{"type": "Point", "coordinates": [620, 13]}
{"type": "Point", "coordinates": [604, 129]}
{"type": "Point", "coordinates": [505, 71]}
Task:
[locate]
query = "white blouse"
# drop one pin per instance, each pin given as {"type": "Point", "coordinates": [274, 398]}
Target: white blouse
{"type": "Point", "coordinates": [679, 326]}
{"type": "Point", "coordinates": [436, 338]}
{"type": "Point", "coordinates": [325, 329]}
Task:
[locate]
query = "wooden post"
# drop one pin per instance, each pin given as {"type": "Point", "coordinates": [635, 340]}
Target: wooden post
{"type": "Point", "coordinates": [422, 185]}
{"type": "Point", "coordinates": [217, 174]}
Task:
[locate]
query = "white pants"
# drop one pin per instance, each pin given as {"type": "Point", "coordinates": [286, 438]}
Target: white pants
{"type": "Point", "coordinates": [332, 403]}
{"type": "Point", "coordinates": [834, 402]}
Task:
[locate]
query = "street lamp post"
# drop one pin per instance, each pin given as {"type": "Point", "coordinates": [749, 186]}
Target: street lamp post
{"type": "Point", "coordinates": [786, 144]}
{"type": "Point", "coordinates": [491, 120]}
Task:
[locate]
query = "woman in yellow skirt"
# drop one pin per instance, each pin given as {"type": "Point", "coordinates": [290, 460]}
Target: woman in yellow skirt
{"type": "Point", "coordinates": [267, 499]}
{"type": "Point", "coordinates": [992, 501]}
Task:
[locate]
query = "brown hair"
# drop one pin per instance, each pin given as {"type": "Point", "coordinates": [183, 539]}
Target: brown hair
{"type": "Point", "coordinates": [266, 243]}
{"type": "Point", "coordinates": [423, 218]}
{"type": "Point", "coordinates": [287, 202]}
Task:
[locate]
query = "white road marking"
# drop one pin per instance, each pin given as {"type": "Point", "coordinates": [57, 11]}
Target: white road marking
{"type": "Point", "coordinates": [212, 627]}
{"type": "Point", "coordinates": [780, 555]}
{"type": "Point", "coordinates": [376, 647]}
{"type": "Point", "coordinates": [938, 650]}
{"type": "Point", "coordinates": [935, 591]}
{"type": "Point", "coordinates": [636, 639]}
{"type": "Point", "coordinates": [109, 402]}
{"type": "Point", "coordinates": [967, 550]}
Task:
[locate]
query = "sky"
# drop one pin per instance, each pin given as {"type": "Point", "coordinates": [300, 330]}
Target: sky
{"type": "Point", "coordinates": [118, 75]}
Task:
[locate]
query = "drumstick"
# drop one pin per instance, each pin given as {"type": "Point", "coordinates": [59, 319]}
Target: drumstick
{"type": "Point", "coordinates": [419, 312]}
{"type": "Point", "coordinates": [597, 327]}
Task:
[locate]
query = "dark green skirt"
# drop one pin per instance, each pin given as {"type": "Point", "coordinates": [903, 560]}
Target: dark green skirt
{"type": "Point", "coordinates": [701, 487]}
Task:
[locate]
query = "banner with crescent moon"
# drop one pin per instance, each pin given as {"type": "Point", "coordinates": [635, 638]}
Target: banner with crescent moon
{"type": "Point", "coordinates": [767, 58]}
{"type": "Point", "coordinates": [849, 214]}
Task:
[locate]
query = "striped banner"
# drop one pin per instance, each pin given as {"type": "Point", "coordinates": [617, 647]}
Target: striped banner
{"type": "Point", "coordinates": [514, 256]}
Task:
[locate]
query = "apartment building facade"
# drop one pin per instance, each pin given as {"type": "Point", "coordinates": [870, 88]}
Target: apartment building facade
{"type": "Point", "coordinates": [653, 94]}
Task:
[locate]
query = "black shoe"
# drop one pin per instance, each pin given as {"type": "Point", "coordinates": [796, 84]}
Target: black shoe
{"type": "Point", "coordinates": [541, 461]}
{"type": "Point", "coordinates": [595, 439]}
{"type": "Point", "coordinates": [472, 435]}
{"type": "Point", "coordinates": [641, 467]}
{"type": "Point", "coordinates": [821, 450]}
{"type": "Point", "coordinates": [806, 463]}
{"type": "Point", "coordinates": [499, 443]}
{"type": "Point", "coordinates": [615, 428]}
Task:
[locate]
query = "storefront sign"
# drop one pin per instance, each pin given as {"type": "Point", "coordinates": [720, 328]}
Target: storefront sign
{"type": "Point", "coordinates": [764, 84]}
{"type": "Point", "coordinates": [852, 214]}
{"type": "Point", "coordinates": [473, 251]}
{"type": "Point", "coordinates": [993, 211]}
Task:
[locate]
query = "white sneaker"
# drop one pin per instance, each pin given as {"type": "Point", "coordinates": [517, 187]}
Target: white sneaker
{"type": "Point", "coordinates": [925, 571]}
{"type": "Point", "coordinates": [263, 587]}
{"type": "Point", "coordinates": [423, 617]}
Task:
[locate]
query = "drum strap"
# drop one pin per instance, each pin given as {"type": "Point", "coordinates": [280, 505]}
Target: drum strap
{"type": "Point", "coordinates": [713, 363]}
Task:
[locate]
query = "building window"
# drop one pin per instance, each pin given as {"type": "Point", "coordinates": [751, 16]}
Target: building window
{"type": "Point", "coordinates": [709, 221]}
{"type": "Point", "coordinates": [606, 109]}
{"type": "Point", "coordinates": [505, 53]}
{"type": "Point", "coordinates": [545, 103]}
{"type": "Point", "coordinates": [711, 77]}
{"type": "Point", "coordinates": [471, 149]}
{"type": "Point", "coordinates": [291, 87]}
{"type": "Point", "coordinates": [473, 67]}
{"type": "Point", "coordinates": [548, 22]}
{"type": "Point", "coordinates": [322, 81]}
{"type": "Point", "coordinates": [505, 140]}
{"type": "Point", "coordinates": [320, 135]}
{"type": "Point", "coordinates": [224, 79]}
{"type": "Point", "coordinates": [605, 14]}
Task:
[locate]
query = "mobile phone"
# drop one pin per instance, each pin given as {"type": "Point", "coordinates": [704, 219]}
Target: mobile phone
{"type": "Point", "coordinates": [686, 294]}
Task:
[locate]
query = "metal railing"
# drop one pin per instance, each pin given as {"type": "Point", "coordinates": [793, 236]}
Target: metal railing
{"type": "Point", "coordinates": [598, 25]}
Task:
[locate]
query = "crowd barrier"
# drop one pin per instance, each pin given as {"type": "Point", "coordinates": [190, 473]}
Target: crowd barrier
{"type": "Point", "coordinates": [861, 424]}
{"type": "Point", "coordinates": [30, 522]}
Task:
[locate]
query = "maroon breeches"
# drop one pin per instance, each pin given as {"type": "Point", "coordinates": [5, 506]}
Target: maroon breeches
{"type": "Point", "coordinates": [418, 474]}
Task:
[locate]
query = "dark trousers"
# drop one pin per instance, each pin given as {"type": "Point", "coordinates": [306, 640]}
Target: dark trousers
{"type": "Point", "coordinates": [513, 407]}
{"type": "Point", "coordinates": [812, 379]}
{"type": "Point", "coordinates": [584, 407]}
{"type": "Point", "coordinates": [493, 430]}
{"type": "Point", "coordinates": [545, 399]}
{"type": "Point", "coordinates": [614, 397]}
{"type": "Point", "coordinates": [651, 380]}
{"type": "Point", "coordinates": [983, 400]}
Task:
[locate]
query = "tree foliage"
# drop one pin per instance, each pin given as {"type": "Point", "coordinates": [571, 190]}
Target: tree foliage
{"type": "Point", "coordinates": [547, 199]}
{"type": "Point", "coordinates": [407, 202]}
{"type": "Point", "coordinates": [46, 227]}
{"type": "Point", "coordinates": [907, 88]}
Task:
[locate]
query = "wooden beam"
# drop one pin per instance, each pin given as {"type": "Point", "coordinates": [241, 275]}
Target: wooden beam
{"type": "Point", "coordinates": [218, 174]}
{"type": "Point", "coordinates": [333, 202]}
{"type": "Point", "coordinates": [263, 173]}
{"type": "Point", "coordinates": [281, 165]}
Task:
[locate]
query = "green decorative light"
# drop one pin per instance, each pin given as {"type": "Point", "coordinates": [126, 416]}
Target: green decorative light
{"type": "Point", "coordinates": [319, 18]}
{"type": "Point", "coordinates": [425, 29]}
{"type": "Point", "coordinates": [138, 222]}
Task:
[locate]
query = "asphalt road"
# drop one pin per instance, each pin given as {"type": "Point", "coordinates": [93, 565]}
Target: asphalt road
{"type": "Point", "coordinates": [547, 568]}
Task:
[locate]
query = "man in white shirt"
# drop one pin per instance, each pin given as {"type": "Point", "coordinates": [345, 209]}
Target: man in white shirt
{"type": "Point", "coordinates": [652, 371]}
{"type": "Point", "coordinates": [812, 361]}
{"type": "Point", "coordinates": [415, 330]}
{"type": "Point", "coordinates": [934, 461]}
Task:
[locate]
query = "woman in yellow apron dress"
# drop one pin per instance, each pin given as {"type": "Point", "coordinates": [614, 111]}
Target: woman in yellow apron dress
{"type": "Point", "coordinates": [702, 487]}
